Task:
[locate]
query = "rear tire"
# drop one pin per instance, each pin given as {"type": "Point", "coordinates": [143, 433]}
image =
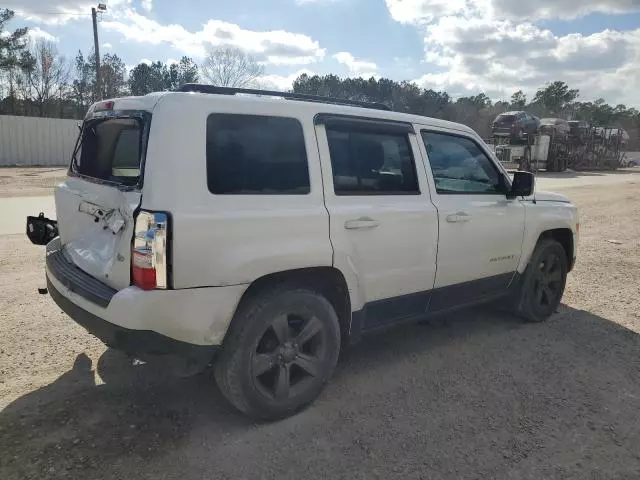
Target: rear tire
{"type": "Point", "coordinates": [281, 351]}
{"type": "Point", "coordinates": [543, 282]}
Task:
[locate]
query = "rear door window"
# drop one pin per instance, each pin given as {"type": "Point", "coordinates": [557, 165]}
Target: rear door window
{"type": "Point", "coordinates": [256, 155]}
{"type": "Point", "coordinates": [375, 163]}
{"type": "Point", "coordinates": [110, 150]}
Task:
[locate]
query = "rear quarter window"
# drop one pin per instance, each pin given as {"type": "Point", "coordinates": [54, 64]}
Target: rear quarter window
{"type": "Point", "coordinates": [256, 155]}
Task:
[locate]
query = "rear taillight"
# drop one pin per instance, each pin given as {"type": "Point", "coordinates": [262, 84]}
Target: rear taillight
{"type": "Point", "coordinates": [149, 251]}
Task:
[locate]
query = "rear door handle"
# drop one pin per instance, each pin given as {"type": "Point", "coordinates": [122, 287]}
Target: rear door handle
{"type": "Point", "coordinates": [362, 223]}
{"type": "Point", "coordinates": [458, 217]}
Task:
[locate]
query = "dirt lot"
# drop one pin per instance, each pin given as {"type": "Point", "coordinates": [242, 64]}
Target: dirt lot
{"type": "Point", "coordinates": [475, 395]}
{"type": "Point", "coordinates": [29, 182]}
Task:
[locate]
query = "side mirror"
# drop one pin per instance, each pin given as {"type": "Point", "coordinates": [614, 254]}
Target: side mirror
{"type": "Point", "coordinates": [523, 184]}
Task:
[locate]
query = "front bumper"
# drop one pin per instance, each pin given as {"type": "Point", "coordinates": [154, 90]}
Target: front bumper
{"type": "Point", "coordinates": [184, 322]}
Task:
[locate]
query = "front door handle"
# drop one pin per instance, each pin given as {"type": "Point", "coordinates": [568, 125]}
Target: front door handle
{"type": "Point", "coordinates": [362, 223]}
{"type": "Point", "coordinates": [459, 217]}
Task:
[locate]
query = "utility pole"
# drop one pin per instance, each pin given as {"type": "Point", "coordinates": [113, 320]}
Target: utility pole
{"type": "Point", "coordinates": [96, 47]}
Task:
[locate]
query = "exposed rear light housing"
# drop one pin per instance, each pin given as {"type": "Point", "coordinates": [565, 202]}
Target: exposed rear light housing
{"type": "Point", "coordinates": [149, 268]}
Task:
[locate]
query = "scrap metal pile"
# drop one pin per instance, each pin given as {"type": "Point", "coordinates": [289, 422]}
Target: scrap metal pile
{"type": "Point", "coordinates": [595, 148]}
{"type": "Point", "coordinates": [558, 145]}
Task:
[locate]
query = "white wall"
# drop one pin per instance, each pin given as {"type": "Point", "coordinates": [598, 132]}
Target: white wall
{"type": "Point", "coordinates": [36, 141]}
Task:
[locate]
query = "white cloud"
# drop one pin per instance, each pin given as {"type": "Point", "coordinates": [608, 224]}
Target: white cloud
{"type": "Point", "coordinates": [427, 11]}
{"type": "Point", "coordinates": [147, 5]}
{"type": "Point", "coordinates": [493, 46]}
{"type": "Point", "coordinates": [106, 45]}
{"type": "Point", "coordinates": [276, 47]}
{"type": "Point", "coordinates": [281, 82]}
{"type": "Point", "coordinates": [145, 60]}
{"type": "Point", "coordinates": [59, 12]}
{"type": "Point", "coordinates": [419, 11]}
{"type": "Point", "coordinates": [566, 9]}
{"type": "Point", "coordinates": [500, 57]}
{"type": "Point", "coordinates": [361, 68]}
{"type": "Point", "coordinates": [36, 33]}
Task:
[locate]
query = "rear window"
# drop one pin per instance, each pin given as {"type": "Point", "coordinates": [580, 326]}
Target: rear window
{"type": "Point", "coordinates": [256, 155]}
{"type": "Point", "coordinates": [505, 118]}
{"type": "Point", "coordinates": [110, 150]}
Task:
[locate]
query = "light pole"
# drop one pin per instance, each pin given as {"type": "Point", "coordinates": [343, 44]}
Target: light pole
{"type": "Point", "coordinates": [96, 46]}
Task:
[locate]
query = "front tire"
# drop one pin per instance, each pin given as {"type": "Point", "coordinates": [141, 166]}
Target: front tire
{"type": "Point", "coordinates": [281, 351]}
{"type": "Point", "coordinates": [544, 282]}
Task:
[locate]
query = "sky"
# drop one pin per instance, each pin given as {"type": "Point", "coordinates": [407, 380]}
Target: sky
{"type": "Point", "coordinates": [460, 46]}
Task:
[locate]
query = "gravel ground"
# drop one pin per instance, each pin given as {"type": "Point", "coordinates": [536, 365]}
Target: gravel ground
{"type": "Point", "coordinates": [476, 395]}
{"type": "Point", "coordinates": [29, 182]}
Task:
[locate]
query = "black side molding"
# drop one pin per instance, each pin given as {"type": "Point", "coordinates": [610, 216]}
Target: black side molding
{"type": "Point", "coordinates": [420, 305]}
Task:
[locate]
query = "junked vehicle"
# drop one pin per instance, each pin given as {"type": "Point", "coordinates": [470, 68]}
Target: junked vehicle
{"type": "Point", "coordinates": [578, 128]}
{"type": "Point", "coordinates": [517, 125]}
{"type": "Point", "coordinates": [555, 126]}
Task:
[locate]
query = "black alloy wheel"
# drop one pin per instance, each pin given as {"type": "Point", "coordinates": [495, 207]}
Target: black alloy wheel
{"type": "Point", "coordinates": [543, 282]}
{"type": "Point", "coordinates": [281, 350]}
{"type": "Point", "coordinates": [548, 281]}
{"type": "Point", "coordinates": [289, 354]}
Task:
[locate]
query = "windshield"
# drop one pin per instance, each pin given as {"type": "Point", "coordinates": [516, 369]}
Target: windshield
{"type": "Point", "coordinates": [110, 149]}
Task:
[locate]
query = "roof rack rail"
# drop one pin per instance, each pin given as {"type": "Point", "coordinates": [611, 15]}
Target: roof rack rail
{"type": "Point", "coordinates": [212, 89]}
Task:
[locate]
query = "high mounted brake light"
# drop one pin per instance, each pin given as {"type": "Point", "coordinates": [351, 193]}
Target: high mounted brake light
{"type": "Point", "coordinates": [101, 106]}
{"type": "Point", "coordinates": [149, 250]}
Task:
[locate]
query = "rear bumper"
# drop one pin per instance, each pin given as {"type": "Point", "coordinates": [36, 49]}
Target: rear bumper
{"type": "Point", "coordinates": [139, 321]}
{"type": "Point", "coordinates": [132, 342]}
{"type": "Point", "coordinates": [78, 281]}
{"type": "Point", "coordinates": [504, 132]}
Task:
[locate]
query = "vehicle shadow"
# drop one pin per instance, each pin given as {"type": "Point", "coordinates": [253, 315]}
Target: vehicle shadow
{"type": "Point", "coordinates": [477, 391]}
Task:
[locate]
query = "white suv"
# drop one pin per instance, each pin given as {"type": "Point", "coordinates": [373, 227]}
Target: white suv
{"type": "Point", "coordinates": [264, 230]}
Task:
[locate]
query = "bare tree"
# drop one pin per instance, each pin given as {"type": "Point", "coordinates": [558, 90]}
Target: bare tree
{"type": "Point", "coordinates": [46, 77]}
{"type": "Point", "coordinates": [231, 67]}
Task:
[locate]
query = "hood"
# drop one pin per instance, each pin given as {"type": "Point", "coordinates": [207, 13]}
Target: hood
{"type": "Point", "coordinates": [542, 196]}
